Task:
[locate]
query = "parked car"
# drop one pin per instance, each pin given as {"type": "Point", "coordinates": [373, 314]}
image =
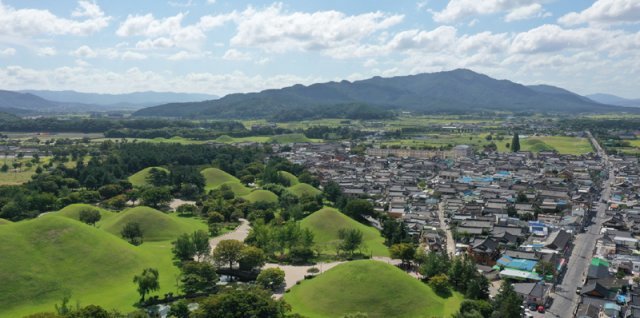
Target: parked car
{"type": "Point", "coordinates": [578, 290]}
{"type": "Point", "coordinates": [541, 309]}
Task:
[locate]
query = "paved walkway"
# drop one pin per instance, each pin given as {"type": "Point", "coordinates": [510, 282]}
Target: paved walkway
{"type": "Point", "coordinates": [240, 233]}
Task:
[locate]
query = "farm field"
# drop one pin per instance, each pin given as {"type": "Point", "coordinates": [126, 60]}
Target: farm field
{"type": "Point", "coordinates": [375, 288]}
{"type": "Point", "coordinates": [326, 223]}
{"type": "Point", "coordinates": [561, 144]}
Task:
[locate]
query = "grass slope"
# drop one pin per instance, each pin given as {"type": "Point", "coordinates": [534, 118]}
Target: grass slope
{"type": "Point", "coordinates": [293, 180]}
{"type": "Point", "coordinates": [56, 254]}
{"type": "Point", "coordinates": [261, 196]}
{"type": "Point", "coordinates": [72, 211]}
{"type": "Point", "coordinates": [4, 221]}
{"type": "Point", "coordinates": [156, 225]}
{"type": "Point", "coordinates": [325, 224]}
{"type": "Point", "coordinates": [301, 189]}
{"type": "Point", "coordinates": [139, 179]}
{"type": "Point", "coordinates": [215, 177]}
{"type": "Point", "coordinates": [372, 287]}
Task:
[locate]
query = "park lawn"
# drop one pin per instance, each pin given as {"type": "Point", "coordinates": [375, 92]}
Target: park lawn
{"type": "Point", "coordinates": [214, 178]}
{"type": "Point", "coordinates": [58, 255]}
{"type": "Point", "coordinates": [325, 224]}
{"type": "Point", "coordinates": [293, 180]}
{"type": "Point", "coordinates": [261, 196]}
{"type": "Point", "coordinates": [139, 179]}
{"type": "Point", "coordinates": [301, 189]}
{"type": "Point", "coordinates": [371, 287]}
{"type": "Point", "coordinates": [156, 225]}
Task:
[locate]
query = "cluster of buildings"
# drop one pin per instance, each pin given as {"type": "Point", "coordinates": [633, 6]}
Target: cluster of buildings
{"type": "Point", "coordinates": [516, 214]}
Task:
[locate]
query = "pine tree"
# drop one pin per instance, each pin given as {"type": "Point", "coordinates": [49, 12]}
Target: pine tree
{"type": "Point", "coordinates": [515, 143]}
{"type": "Point", "coordinates": [507, 302]}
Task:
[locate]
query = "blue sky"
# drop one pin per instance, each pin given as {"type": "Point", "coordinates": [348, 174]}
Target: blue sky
{"type": "Point", "coordinates": [221, 47]}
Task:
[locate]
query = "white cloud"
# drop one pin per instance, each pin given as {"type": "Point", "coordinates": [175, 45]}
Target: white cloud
{"type": "Point", "coordinates": [235, 55]}
{"type": "Point", "coordinates": [184, 55]}
{"type": "Point", "coordinates": [551, 37]}
{"type": "Point", "coordinates": [84, 52]}
{"type": "Point", "coordinates": [275, 30]}
{"type": "Point", "coordinates": [369, 63]}
{"type": "Point", "coordinates": [605, 12]}
{"type": "Point", "coordinates": [32, 22]}
{"type": "Point", "coordinates": [46, 51]}
{"type": "Point", "coordinates": [130, 55]}
{"type": "Point", "coordinates": [527, 12]}
{"type": "Point", "coordinates": [211, 1]}
{"type": "Point", "coordinates": [186, 4]}
{"type": "Point", "coordinates": [457, 10]}
{"type": "Point", "coordinates": [7, 52]}
{"type": "Point", "coordinates": [158, 43]}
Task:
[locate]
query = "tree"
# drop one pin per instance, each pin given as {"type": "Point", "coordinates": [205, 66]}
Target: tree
{"type": "Point", "coordinates": [271, 278]}
{"type": "Point", "coordinates": [228, 252]}
{"type": "Point", "coordinates": [507, 302]}
{"type": "Point", "coordinates": [198, 277]}
{"type": "Point", "coordinates": [147, 282]}
{"type": "Point", "coordinates": [183, 249]}
{"type": "Point", "coordinates": [351, 240]}
{"type": "Point", "coordinates": [440, 284]}
{"type": "Point", "coordinates": [187, 209]}
{"type": "Point", "coordinates": [91, 311]}
{"type": "Point", "coordinates": [515, 143]}
{"type": "Point", "coordinates": [200, 241]}
{"type": "Point", "coordinates": [477, 288]}
{"type": "Point", "coordinates": [434, 263]}
{"type": "Point", "coordinates": [155, 197]}
{"type": "Point", "coordinates": [251, 257]}
{"type": "Point", "coordinates": [358, 208]}
{"type": "Point", "coordinates": [404, 251]}
{"type": "Point", "coordinates": [545, 268]}
{"type": "Point", "coordinates": [482, 307]}
{"type": "Point", "coordinates": [179, 309]}
{"type": "Point", "coordinates": [89, 216]}
{"type": "Point", "coordinates": [132, 232]}
{"type": "Point", "coordinates": [241, 303]}
{"type": "Point", "coordinates": [332, 191]}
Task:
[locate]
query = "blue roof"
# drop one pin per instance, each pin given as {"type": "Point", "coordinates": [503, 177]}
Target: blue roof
{"type": "Point", "coordinates": [517, 263]}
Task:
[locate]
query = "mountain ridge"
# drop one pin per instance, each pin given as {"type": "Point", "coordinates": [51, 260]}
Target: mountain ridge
{"type": "Point", "coordinates": [458, 91]}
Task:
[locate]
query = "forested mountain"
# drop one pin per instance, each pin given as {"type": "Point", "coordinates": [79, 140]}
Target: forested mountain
{"type": "Point", "coordinates": [457, 91]}
{"type": "Point", "coordinates": [614, 100]}
{"type": "Point", "coordinates": [131, 101]}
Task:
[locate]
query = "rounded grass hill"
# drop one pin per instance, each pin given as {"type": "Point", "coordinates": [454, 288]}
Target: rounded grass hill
{"type": "Point", "coordinates": [4, 221]}
{"type": "Point", "coordinates": [293, 180]}
{"type": "Point", "coordinates": [139, 179]}
{"type": "Point", "coordinates": [214, 178]}
{"type": "Point", "coordinates": [261, 196]}
{"type": "Point", "coordinates": [156, 225]}
{"type": "Point", "coordinates": [58, 255]}
{"type": "Point", "coordinates": [371, 287]}
{"type": "Point", "coordinates": [327, 222]}
{"type": "Point", "coordinates": [301, 189]}
{"type": "Point", "coordinates": [73, 211]}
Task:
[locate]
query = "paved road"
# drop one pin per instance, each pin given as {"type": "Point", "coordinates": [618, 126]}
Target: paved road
{"type": "Point", "coordinates": [240, 233]}
{"type": "Point", "coordinates": [565, 298]}
{"type": "Point", "coordinates": [451, 244]}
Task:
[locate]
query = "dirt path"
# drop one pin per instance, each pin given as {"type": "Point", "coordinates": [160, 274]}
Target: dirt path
{"type": "Point", "coordinates": [175, 203]}
{"type": "Point", "coordinates": [294, 274]}
{"type": "Point", "coordinates": [240, 233]}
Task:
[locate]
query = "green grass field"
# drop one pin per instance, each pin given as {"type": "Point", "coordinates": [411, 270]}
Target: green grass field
{"type": "Point", "coordinates": [301, 189]}
{"type": "Point", "coordinates": [326, 223]}
{"type": "Point", "coordinates": [561, 144]}
{"type": "Point", "coordinates": [215, 177]}
{"type": "Point", "coordinates": [371, 287]}
{"type": "Point", "coordinates": [293, 180]}
{"type": "Point", "coordinates": [261, 196]}
{"type": "Point", "coordinates": [58, 255]}
{"type": "Point", "coordinates": [139, 179]}
{"type": "Point", "coordinates": [156, 225]}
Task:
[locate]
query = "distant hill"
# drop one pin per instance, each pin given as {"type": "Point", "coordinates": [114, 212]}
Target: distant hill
{"type": "Point", "coordinates": [614, 100]}
{"type": "Point", "coordinates": [130, 101]}
{"type": "Point", "coordinates": [458, 91]}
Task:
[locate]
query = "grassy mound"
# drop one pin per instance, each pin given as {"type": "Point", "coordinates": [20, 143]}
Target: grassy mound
{"type": "Point", "coordinates": [290, 138]}
{"type": "Point", "coordinates": [326, 223]}
{"type": "Point", "coordinates": [301, 189]}
{"type": "Point", "coordinates": [72, 211]}
{"type": "Point", "coordinates": [215, 177]}
{"type": "Point", "coordinates": [261, 196]}
{"type": "Point", "coordinates": [4, 221]}
{"type": "Point", "coordinates": [156, 225]}
{"type": "Point", "coordinates": [139, 179]}
{"type": "Point", "coordinates": [58, 255]}
{"type": "Point", "coordinates": [293, 180]}
{"type": "Point", "coordinates": [238, 188]}
{"type": "Point", "coordinates": [375, 288]}
{"type": "Point", "coordinates": [536, 145]}
{"type": "Point", "coordinates": [225, 139]}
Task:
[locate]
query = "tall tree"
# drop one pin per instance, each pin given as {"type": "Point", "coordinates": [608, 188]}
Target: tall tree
{"type": "Point", "coordinates": [404, 251]}
{"type": "Point", "coordinates": [147, 282]}
{"type": "Point", "coordinates": [89, 216]}
{"type": "Point", "coordinates": [352, 239]}
{"type": "Point", "coordinates": [228, 252]}
{"type": "Point", "coordinates": [198, 277]}
{"type": "Point", "coordinates": [271, 278]}
{"type": "Point", "coordinates": [515, 143]}
{"type": "Point", "coordinates": [200, 241]}
{"type": "Point", "coordinates": [507, 302]}
{"type": "Point", "coordinates": [241, 303]}
{"type": "Point", "coordinates": [132, 232]}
